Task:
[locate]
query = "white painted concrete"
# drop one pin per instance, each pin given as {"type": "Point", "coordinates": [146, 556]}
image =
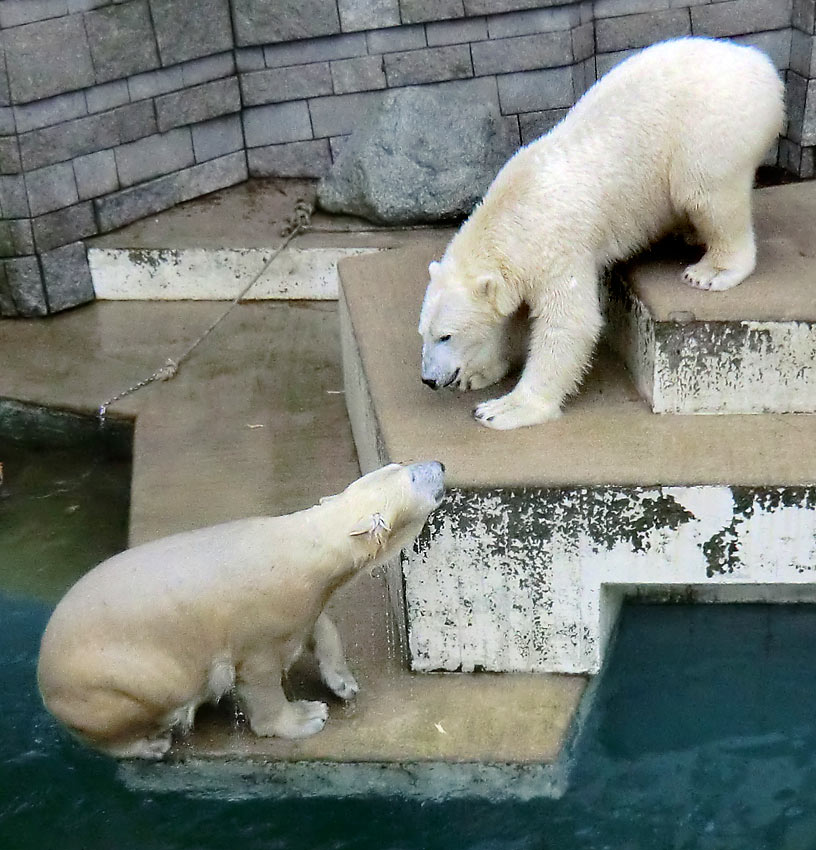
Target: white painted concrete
{"type": "Point", "coordinates": [711, 367]}
{"type": "Point", "coordinates": [531, 581]}
{"type": "Point", "coordinates": [745, 367]}
{"type": "Point", "coordinates": [204, 274]}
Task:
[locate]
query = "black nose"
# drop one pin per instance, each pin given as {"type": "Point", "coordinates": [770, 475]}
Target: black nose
{"type": "Point", "coordinates": [430, 382]}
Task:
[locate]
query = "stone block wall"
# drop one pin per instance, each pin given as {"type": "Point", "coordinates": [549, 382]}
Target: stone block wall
{"type": "Point", "coordinates": [109, 111]}
{"type": "Point", "coordinates": [112, 111]}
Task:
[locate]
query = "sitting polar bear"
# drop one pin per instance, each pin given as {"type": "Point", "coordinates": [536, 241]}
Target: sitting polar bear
{"type": "Point", "coordinates": [671, 137]}
{"type": "Point", "coordinates": [139, 642]}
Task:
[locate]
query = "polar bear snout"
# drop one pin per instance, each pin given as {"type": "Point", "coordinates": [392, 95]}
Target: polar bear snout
{"type": "Point", "coordinates": [439, 366]}
{"type": "Point", "coordinates": [428, 478]}
{"type": "Point", "coordinates": [436, 384]}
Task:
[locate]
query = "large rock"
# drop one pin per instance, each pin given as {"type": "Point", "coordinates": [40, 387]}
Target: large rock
{"type": "Point", "coordinates": [422, 155]}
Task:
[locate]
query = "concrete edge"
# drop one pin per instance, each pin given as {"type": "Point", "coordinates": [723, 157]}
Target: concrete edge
{"type": "Point", "coordinates": [365, 424]}
{"type": "Point", "coordinates": [428, 781]}
{"type": "Point", "coordinates": [203, 274]}
{"type": "Point", "coordinates": [682, 365]}
{"type": "Point", "coordinates": [630, 332]}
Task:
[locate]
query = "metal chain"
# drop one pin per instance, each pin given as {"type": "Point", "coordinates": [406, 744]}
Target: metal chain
{"type": "Point", "coordinates": [297, 223]}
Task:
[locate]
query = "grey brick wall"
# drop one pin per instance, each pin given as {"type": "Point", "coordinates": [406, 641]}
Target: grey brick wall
{"type": "Point", "coordinates": [428, 65]}
{"type": "Point", "coordinates": [111, 110]}
{"type": "Point", "coordinates": [366, 73]}
{"type": "Point", "coordinates": [108, 111]}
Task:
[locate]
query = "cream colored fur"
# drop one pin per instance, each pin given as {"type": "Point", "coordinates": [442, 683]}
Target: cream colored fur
{"type": "Point", "coordinates": [143, 639]}
{"type": "Point", "coordinates": [670, 137]}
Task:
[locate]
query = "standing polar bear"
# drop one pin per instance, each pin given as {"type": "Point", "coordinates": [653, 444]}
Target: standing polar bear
{"type": "Point", "coordinates": [142, 640]}
{"type": "Point", "coordinates": [670, 137]}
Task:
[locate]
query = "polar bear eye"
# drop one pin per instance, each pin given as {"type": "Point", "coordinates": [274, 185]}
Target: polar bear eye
{"type": "Point", "coordinates": [445, 338]}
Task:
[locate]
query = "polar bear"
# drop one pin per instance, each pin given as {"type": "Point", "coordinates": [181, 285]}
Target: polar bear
{"type": "Point", "coordinates": [669, 138]}
{"type": "Point", "coordinates": [143, 639]}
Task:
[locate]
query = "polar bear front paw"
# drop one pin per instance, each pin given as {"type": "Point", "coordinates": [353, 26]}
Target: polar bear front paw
{"type": "Point", "coordinates": [340, 682]}
{"type": "Point", "coordinates": [704, 275]}
{"type": "Point", "coordinates": [514, 411]}
{"type": "Point", "coordinates": [301, 719]}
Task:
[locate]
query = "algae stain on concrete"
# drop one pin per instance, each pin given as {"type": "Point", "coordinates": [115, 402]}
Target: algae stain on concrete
{"type": "Point", "coordinates": [153, 260]}
{"type": "Point", "coordinates": [734, 367]}
{"type": "Point", "coordinates": [609, 515]}
{"type": "Point", "coordinates": [722, 551]}
{"type": "Point", "coordinates": [497, 573]}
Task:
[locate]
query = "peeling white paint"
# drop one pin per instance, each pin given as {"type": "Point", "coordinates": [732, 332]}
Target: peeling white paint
{"type": "Point", "coordinates": [532, 581]}
{"type": "Point", "coordinates": [711, 505]}
{"type": "Point", "coordinates": [746, 367]}
{"type": "Point", "coordinates": [215, 274]}
{"type": "Point", "coordinates": [713, 367]}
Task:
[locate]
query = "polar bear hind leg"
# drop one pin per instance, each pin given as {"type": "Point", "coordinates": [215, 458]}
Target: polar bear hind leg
{"type": "Point", "coordinates": [153, 749]}
{"type": "Point", "coordinates": [722, 219]}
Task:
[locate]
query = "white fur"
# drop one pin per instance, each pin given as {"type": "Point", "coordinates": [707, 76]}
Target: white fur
{"type": "Point", "coordinates": [670, 137]}
{"type": "Point", "coordinates": [142, 640]}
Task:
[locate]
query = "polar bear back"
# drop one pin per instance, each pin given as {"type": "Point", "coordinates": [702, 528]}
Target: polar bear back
{"type": "Point", "coordinates": [209, 577]}
{"type": "Point", "coordinates": [661, 129]}
{"type": "Point", "coordinates": [694, 96]}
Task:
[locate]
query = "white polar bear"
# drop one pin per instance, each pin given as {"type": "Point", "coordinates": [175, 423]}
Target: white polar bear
{"type": "Point", "coordinates": [142, 640]}
{"type": "Point", "coordinates": [670, 137]}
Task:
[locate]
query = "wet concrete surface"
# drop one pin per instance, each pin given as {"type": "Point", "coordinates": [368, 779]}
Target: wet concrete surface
{"type": "Point", "coordinates": [255, 423]}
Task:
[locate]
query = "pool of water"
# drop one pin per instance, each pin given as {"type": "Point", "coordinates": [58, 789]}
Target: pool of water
{"type": "Point", "coordinates": [702, 734]}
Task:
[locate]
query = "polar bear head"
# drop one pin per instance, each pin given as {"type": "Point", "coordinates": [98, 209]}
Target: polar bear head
{"type": "Point", "coordinates": [385, 510]}
{"type": "Point", "coordinates": [469, 327]}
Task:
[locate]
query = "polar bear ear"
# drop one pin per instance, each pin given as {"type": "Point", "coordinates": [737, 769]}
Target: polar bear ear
{"type": "Point", "coordinates": [433, 269]}
{"type": "Point", "coordinates": [494, 289]}
{"type": "Point", "coordinates": [374, 527]}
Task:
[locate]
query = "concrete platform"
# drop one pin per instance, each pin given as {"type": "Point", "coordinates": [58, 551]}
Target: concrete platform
{"type": "Point", "coordinates": [207, 249]}
{"type": "Point", "coordinates": [748, 350]}
{"type": "Point", "coordinates": [545, 529]}
{"type": "Point", "coordinates": [255, 423]}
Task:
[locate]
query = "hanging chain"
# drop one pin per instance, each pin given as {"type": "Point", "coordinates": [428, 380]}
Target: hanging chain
{"type": "Point", "coordinates": [297, 223]}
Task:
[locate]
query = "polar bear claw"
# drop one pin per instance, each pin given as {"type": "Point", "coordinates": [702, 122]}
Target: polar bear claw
{"type": "Point", "coordinates": [341, 683]}
{"type": "Point", "coordinates": [510, 411]}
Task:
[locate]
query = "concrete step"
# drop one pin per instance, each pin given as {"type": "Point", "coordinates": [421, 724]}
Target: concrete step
{"type": "Point", "coordinates": [254, 423]}
{"type": "Point", "coordinates": [748, 350]}
{"type": "Point", "coordinates": [544, 530]}
{"type": "Point", "coordinates": [209, 248]}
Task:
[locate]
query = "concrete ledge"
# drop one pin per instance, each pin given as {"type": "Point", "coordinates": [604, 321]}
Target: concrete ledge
{"type": "Point", "coordinates": [545, 529]}
{"type": "Point", "coordinates": [607, 435]}
{"type": "Point", "coordinates": [430, 782]}
{"type": "Point", "coordinates": [748, 350]}
{"type": "Point", "coordinates": [204, 274]}
{"type": "Point", "coordinates": [532, 580]}
{"type": "Point", "coordinates": [208, 249]}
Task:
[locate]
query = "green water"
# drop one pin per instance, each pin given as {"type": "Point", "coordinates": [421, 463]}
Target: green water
{"type": "Point", "coordinates": [702, 735]}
